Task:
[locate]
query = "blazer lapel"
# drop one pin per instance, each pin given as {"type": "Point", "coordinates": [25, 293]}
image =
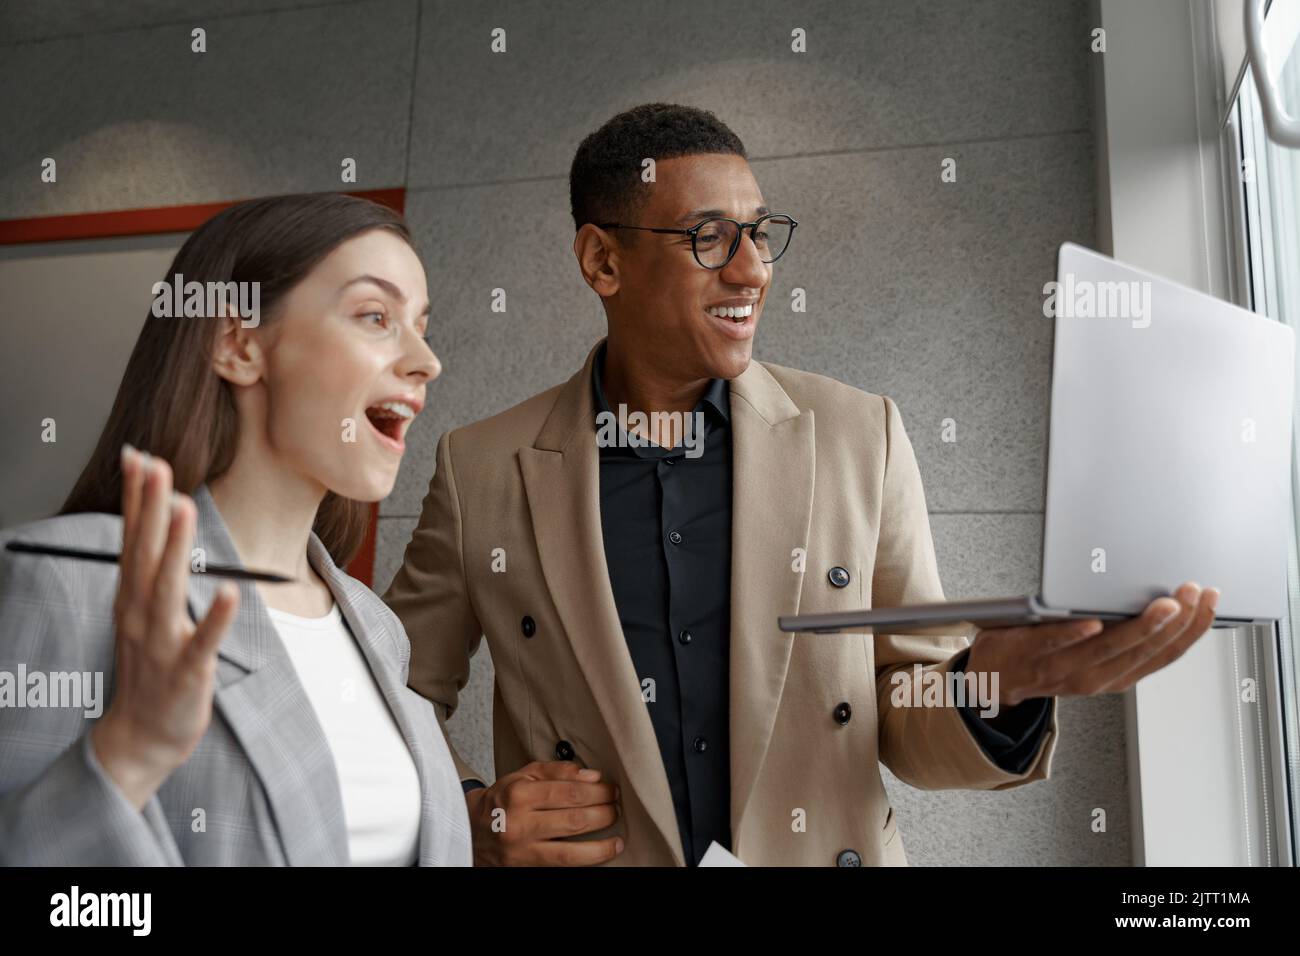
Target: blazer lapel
{"type": "Point", "coordinates": [561, 475]}
{"type": "Point", "coordinates": [772, 493]}
{"type": "Point", "coordinates": [259, 696]}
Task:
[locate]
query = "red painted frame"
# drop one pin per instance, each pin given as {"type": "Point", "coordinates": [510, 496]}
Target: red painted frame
{"type": "Point", "coordinates": [163, 219]}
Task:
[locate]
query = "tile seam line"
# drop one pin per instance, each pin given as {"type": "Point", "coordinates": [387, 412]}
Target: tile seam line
{"type": "Point", "coordinates": [520, 180]}
{"type": "Point", "coordinates": [410, 105]}
{"type": "Point", "coordinates": [194, 21]}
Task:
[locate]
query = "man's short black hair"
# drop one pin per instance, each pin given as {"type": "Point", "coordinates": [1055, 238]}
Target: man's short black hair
{"type": "Point", "coordinates": [605, 179]}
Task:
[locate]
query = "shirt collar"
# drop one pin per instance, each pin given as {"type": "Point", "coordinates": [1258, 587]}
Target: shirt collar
{"type": "Point", "coordinates": [717, 396]}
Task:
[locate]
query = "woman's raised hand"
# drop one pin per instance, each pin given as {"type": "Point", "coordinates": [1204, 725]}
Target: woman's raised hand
{"type": "Point", "coordinates": [166, 666]}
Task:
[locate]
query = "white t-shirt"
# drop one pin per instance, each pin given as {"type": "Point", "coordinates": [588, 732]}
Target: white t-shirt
{"type": "Point", "coordinates": [381, 789]}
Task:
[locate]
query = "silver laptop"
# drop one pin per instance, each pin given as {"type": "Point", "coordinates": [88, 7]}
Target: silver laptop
{"type": "Point", "coordinates": [1169, 459]}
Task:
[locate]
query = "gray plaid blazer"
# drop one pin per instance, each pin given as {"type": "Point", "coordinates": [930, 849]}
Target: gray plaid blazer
{"type": "Point", "coordinates": [260, 789]}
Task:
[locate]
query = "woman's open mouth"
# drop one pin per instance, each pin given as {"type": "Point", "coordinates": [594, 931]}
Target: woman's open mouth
{"type": "Point", "coordinates": [390, 420]}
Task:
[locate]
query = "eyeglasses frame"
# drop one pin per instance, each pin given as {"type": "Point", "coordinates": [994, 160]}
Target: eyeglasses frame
{"type": "Point", "coordinates": [694, 230]}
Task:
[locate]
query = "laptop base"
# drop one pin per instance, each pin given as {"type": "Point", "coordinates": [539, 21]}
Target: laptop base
{"type": "Point", "coordinates": [955, 617]}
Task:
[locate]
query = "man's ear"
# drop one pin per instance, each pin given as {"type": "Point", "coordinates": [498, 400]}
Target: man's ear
{"type": "Point", "coordinates": [597, 255]}
{"type": "Point", "coordinates": [238, 356]}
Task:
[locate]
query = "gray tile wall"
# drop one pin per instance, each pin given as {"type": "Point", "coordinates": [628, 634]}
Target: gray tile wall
{"type": "Point", "coordinates": [923, 290]}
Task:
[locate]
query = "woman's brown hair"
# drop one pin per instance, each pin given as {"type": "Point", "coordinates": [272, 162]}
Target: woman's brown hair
{"type": "Point", "coordinates": [171, 402]}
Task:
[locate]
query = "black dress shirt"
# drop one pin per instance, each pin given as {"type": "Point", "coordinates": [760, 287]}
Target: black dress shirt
{"type": "Point", "coordinates": [666, 522]}
{"type": "Point", "coordinates": [666, 525]}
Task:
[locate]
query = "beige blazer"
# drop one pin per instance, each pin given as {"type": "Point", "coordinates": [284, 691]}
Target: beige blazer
{"type": "Point", "coordinates": [821, 472]}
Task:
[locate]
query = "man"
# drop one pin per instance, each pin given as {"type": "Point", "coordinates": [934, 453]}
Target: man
{"type": "Point", "coordinates": [627, 540]}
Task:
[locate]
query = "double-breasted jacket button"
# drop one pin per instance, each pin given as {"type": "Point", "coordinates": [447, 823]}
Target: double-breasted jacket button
{"type": "Point", "coordinates": [839, 577]}
{"type": "Point", "coordinates": [564, 750]}
{"type": "Point", "coordinates": [843, 712]}
{"type": "Point", "coordinates": [848, 858]}
{"type": "Point", "coordinates": [528, 626]}
{"type": "Point", "coordinates": [701, 744]}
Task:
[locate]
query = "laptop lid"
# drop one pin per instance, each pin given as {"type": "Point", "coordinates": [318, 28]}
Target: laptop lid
{"type": "Point", "coordinates": [1169, 452]}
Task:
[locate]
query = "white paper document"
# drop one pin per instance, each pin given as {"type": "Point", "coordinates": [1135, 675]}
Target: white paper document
{"type": "Point", "coordinates": [715, 855]}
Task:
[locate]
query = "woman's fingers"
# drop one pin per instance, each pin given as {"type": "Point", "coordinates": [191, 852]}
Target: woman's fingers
{"type": "Point", "coordinates": [133, 473]}
{"type": "Point", "coordinates": [135, 590]}
{"type": "Point", "coordinates": [167, 609]}
{"type": "Point", "coordinates": [155, 518]}
{"type": "Point", "coordinates": [151, 536]}
{"type": "Point", "coordinates": [208, 635]}
{"type": "Point", "coordinates": [165, 665]}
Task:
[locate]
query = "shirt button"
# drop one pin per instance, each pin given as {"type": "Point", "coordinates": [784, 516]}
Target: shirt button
{"type": "Point", "coordinates": [839, 577]}
{"type": "Point", "coordinates": [848, 858]}
{"type": "Point", "coordinates": [528, 626]}
{"type": "Point", "coordinates": [842, 713]}
{"type": "Point", "coordinates": [701, 745]}
{"type": "Point", "coordinates": [564, 750]}
{"type": "Point", "coordinates": [684, 637]}
{"type": "Point", "coordinates": [675, 537]}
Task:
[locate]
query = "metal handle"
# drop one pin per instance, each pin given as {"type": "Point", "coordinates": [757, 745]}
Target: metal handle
{"type": "Point", "coordinates": [1283, 129]}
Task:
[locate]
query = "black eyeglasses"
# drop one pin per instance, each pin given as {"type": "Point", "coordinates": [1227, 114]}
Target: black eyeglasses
{"type": "Point", "coordinates": [714, 241]}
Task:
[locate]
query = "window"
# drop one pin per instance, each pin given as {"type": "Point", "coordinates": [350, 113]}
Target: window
{"type": "Point", "coordinates": [1268, 281]}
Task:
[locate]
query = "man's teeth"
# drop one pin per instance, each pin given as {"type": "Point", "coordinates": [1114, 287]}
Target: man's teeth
{"type": "Point", "coordinates": [400, 409]}
{"type": "Point", "coordinates": [741, 312]}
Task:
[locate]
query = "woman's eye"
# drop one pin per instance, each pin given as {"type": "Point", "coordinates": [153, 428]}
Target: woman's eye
{"type": "Point", "coordinates": [377, 319]}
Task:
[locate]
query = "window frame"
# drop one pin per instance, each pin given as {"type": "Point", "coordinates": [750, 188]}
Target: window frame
{"type": "Point", "coordinates": [1255, 287]}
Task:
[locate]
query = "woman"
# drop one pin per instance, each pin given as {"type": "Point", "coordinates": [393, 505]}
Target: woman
{"type": "Point", "coordinates": [278, 729]}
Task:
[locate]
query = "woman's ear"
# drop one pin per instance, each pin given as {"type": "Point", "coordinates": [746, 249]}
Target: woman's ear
{"type": "Point", "coordinates": [238, 356]}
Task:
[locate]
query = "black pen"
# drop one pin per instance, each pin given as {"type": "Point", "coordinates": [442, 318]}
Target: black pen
{"type": "Point", "coordinates": [109, 557]}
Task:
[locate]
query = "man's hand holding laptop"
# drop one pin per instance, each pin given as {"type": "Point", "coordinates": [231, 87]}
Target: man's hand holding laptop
{"type": "Point", "coordinates": [1084, 657]}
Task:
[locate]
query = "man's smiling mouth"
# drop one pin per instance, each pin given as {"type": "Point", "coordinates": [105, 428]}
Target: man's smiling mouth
{"type": "Point", "coordinates": [737, 318]}
{"type": "Point", "coordinates": [736, 313]}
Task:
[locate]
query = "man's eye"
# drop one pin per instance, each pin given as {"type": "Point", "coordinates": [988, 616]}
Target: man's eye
{"type": "Point", "coordinates": [704, 238]}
